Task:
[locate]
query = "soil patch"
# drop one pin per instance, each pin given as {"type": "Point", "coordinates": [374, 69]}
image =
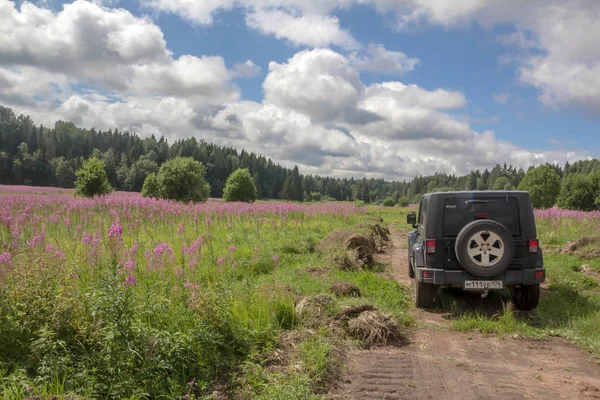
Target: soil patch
{"type": "Point", "coordinates": [370, 326]}
{"type": "Point", "coordinates": [587, 247]}
{"type": "Point", "coordinates": [351, 250]}
{"type": "Point", "coordinates": [314, 310]}
{"type": "Point", "coordinates": [345, 289]}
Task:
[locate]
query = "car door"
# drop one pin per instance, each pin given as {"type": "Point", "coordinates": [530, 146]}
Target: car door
{"type": "Point", "coordinates": [417, 253]}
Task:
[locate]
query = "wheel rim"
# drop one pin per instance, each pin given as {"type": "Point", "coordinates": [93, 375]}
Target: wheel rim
{"type": "Point", "coordinates": [485, 248]}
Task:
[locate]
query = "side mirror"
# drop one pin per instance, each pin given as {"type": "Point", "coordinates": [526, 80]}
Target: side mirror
{"type": "Point", "coordinates": [411, 219]}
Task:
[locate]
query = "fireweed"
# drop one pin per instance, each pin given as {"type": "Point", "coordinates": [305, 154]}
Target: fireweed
{"type": "Point", "coordinates": [124, 296]}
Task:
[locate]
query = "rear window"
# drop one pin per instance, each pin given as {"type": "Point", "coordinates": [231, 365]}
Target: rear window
{"type": "Point", "coordinates": [459, 211]}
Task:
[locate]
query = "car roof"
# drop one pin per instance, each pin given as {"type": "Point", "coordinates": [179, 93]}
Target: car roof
{"type": "Point", "coordinates": [463, 193]}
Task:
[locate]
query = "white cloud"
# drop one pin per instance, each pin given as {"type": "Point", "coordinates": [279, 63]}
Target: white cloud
{"type": "Point", "coordinates": [501, 98]}
{"type": "Point", "coordinates": [558, 38]}
{"type": "Point", "coordinates": [108, 49]}
{"type": "Point", "coordinates": [196, 11]}
{"type": "Point", "coordinates": [319, 83]}
{"type": "Point", "coordinates": [246, 70]}
{"type": "Point", "coordinates": [379, 59]}
{"type": "Point", "coordinates": [301, 29]}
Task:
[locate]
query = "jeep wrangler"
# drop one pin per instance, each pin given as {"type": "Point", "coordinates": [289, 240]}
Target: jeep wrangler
{"type": "Point", "coordinates": [478, 241]}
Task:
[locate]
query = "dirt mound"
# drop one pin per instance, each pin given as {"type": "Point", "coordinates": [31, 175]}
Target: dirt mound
{"type": "Point", "coordinates": [314, 310]}
{"type": "Point", "coordinates": [382, 232]}
{"type": "Point", "coordinates": [369, 325]}
{"type": "Point", "coordinates": [374, 327]}
{"type": "Point", "coordinates": [353, 312]}
{"type": "Point", "coordinates": [345, 289]}
{"type": "Point", "coordinates": [349, 250]}
{"type": "Point", "coordinates": [335, 240]}
{"type": "Point", "coordinates": [587, 247]}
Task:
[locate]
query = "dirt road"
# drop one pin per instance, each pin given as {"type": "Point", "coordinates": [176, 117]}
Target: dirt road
{"type": "Point", "coordinates": [443, 364]}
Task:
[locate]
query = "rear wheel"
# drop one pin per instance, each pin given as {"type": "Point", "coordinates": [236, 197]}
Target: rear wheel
{"type": "Point", "coordinates": [411, 271]}
{"type": "Point", "coordinates": [425, 294]}
{"type": "Point", "coordinates": [526, 297]}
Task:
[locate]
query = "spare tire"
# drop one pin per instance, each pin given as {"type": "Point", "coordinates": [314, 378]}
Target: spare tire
{"type": "Point", "coordinates": [484, 248]}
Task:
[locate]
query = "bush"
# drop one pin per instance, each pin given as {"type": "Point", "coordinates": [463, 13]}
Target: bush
{"type": "Point", "coordinates": [543, 185]}
{"type": "Point", "coordinates": [180, 179]}
{"type": "Point", "coordinates": [151, 186]}
{"type": "Point", "coordinates": [403, 201]}
{"type": "Point", "coordinates": [389, 202]}
{"type": "Point", "coordinates": [315, 196]}
{"type": "Point", "coordinates": [240, 187]}
{"type": "Point", "coordinates": [91, 179]}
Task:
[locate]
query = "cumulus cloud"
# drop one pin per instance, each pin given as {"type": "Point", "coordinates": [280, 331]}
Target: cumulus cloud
{"type": "Point", "coordinates": [319, 83]}
{"type": "Point", "coordinates": [379, 59]}
{"type": "Point", "coordinates": [110, 49]}
{"type": "Point", "coordinates": [301, 29]}
{"type": "Point", "coordinates": [558, 39]}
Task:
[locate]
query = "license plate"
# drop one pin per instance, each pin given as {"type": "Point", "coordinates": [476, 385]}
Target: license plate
{"type": "Point", "coordinates": [483, 285]}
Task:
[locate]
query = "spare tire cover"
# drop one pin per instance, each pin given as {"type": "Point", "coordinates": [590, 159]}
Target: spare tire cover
{"type": "Point", "coordinates": [484, 248]}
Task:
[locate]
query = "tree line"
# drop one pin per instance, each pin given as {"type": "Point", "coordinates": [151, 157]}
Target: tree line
{"type": "Point", "coordinates": [33, 154]}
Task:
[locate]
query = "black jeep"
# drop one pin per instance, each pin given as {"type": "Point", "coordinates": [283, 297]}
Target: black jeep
{"type": "Point", "coordinates": [477, 240]}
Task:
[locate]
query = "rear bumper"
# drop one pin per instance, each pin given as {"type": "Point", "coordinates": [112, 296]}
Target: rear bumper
{"type": "Point", "coordinates": [458, 277]}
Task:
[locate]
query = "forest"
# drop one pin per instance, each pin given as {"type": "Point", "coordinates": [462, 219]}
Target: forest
{"type": "Point", "coordinates": [36, 155]}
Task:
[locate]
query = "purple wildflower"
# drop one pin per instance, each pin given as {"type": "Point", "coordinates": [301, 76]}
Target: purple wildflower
{"type": "Point", "coordinates": [181, 229]}
{"type": "Point", "coordinates": [129, 265]}
{"type": "Point", "coordinates": [49, 248]}
{"type": "Point", "coordinates": [130, 280]}
{"type": "Point", "coordinates": [116, 230]}
{"type": "Point", "coordinates": [232, 248]}
{"type": "Point", "coordinates": [5, 258]}
{"type": "Point", "coordinates": [276, 259]}
{"type": "Point", "coordinates": [220, 261]}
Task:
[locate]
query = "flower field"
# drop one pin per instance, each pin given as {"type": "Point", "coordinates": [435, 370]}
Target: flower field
{"type": "Point", "coordinates": [135, 298]}
{"type": "Point", "coordinates": [127, 297]}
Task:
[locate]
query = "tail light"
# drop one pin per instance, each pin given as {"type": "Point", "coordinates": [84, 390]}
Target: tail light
{"type": "Point", "coordinates": [534, 245]}
{"type": "Point", "coordinates": [538, 275]}
{"type": "Point", "coordinates": [430, 246]}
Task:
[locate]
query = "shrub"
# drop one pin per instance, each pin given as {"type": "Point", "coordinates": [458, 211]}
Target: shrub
{"type": "Point", "coordinates": [180, 179]}
{"type": "Point", "coordinates": [389, 202]}
{"type": "Point", "coordinates": [151, 186]}
{"type": "Point", "coordinates": [91, 179]}
{"type": "Point", "coordinates": [403, 201]}
{"type": "Point", "coordinates": [543, 185]}
{"type": "Point", "coordinates": [240, 187]}
{"type": "Point", "coordinates": [315, 196]}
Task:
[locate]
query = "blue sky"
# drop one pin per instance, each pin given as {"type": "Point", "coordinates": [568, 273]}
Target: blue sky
{"type": "Point", "coordinates": [538, 96]}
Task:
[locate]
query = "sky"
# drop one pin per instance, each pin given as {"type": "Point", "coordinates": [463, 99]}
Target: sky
{"type": "Point", "coordinates": [378, 88]}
